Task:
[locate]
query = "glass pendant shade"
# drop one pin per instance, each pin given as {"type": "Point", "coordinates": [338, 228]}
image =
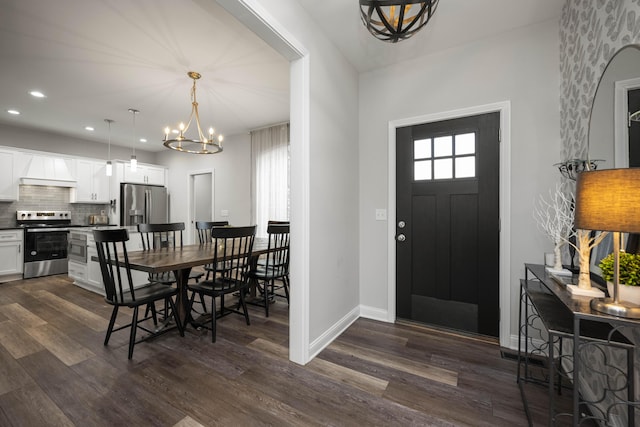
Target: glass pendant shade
{"type": "Point", "coordinates": [134, 161]}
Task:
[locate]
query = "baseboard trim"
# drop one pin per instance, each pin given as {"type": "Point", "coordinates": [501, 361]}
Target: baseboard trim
{"type": "Point", "coordinates": [374, 313]}
{"type": "Point", "coordinates": [333, 332]}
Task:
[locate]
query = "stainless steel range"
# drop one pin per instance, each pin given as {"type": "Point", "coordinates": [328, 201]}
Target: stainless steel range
{"type": "Point", "coordinates": [45, 241]}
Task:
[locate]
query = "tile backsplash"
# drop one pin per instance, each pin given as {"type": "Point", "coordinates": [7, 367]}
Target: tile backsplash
{"type": "Point", "coordinates": [38, 197]}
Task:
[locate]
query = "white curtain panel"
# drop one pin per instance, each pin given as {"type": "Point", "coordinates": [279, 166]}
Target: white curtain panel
{"type": "Point", "coordinates": [270, 176]}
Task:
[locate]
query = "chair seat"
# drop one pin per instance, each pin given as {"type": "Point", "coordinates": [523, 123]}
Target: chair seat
{"type": "Point", "coordinates": [266, 273]}
{"type": "Point", "coordinates": [145, 294]}
{"type": "Point", "coordinates": [218, 286]}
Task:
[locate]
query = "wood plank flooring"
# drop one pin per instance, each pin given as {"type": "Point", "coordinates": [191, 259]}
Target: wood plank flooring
{"type": "Point", "coordinates": [55, 371]}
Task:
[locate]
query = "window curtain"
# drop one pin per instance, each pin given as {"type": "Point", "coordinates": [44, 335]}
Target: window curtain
{"type": "Point", "coordinates": [269, 176]}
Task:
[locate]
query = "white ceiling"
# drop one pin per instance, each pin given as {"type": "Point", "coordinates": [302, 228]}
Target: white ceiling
{"type": "Point", "coordinates": [95, 59]}
{"type": "Point", "coordinates": [455, 23]}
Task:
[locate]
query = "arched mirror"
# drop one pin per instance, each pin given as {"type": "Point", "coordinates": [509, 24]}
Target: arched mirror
{"type": "Point", "coordinates": [615, 100]}
{"type": "Point", "coordinates": [614, 131]}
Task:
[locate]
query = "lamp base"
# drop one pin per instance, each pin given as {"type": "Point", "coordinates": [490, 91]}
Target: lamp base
{"type": "Point", "coordinates": [621, 308]}
{"type": "Point", "coordinates": [593, 292]}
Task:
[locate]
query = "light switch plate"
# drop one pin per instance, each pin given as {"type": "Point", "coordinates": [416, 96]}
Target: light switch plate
{"type": "Point", "coordinates": [381, 214]}
{"type": "Point", "coordinates": [224, 213]}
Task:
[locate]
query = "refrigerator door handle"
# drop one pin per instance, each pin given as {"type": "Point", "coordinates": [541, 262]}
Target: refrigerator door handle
{"type": "Point", "coordinates": [147, 206]}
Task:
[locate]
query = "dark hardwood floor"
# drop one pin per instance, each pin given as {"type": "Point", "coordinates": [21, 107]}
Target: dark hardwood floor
{"type": "Point", "coordinates": [54, 371]}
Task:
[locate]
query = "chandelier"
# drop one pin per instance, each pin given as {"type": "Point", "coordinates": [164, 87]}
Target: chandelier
{"type": "Point", "coordinates": [571, 168]}
{"type": "Point", "coordinates": [200, 144]}
{"type": "Point", "coordinates": [395, 20]}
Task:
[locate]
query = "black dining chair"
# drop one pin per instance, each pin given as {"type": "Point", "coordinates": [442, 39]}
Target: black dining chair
{"type": "Point", "coordinates": [119, 289]}
{"type": "Point", "coordinates": [233, 252]}
{"type": "Point", "coordinates": [164, 235]}
{"type": "Point", "coordinates": [204, 236]}
{"type": "Point", "coordinates": [274, 266]}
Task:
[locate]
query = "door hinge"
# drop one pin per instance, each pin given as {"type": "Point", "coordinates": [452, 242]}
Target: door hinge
{"type": "Point", "coordinates": [499, 134]}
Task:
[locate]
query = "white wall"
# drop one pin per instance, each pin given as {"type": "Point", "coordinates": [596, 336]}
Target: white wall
{"type": "Point", "coordinates": [521, 67]}
{"type": "Point", "coordinates": [333, 177]}
{"type": "Point", "coordinates": [232, 177]}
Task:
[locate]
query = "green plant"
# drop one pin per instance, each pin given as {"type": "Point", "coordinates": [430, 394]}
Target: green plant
{"type": "Point", "coordinates": [629, 268]}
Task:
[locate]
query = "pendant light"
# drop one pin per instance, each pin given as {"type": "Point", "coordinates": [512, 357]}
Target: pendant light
{"type": "Point", "coordinates": [396, 20]}
{"type": "Point", "coordinates": [109, 168]}
{"type": "Point", "coordinates": [134, 161]}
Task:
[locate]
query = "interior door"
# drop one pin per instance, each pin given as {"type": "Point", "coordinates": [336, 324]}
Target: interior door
{"type": "Point", "coordinates": [448, 223]}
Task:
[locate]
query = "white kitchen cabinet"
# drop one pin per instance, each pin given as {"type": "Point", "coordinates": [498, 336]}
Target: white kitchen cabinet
{"type": "Point", "coordinates": [8, 179]}
{"type": "Point", "coordinates": [144, 174]}
{"type": "Point", "coordinates": [11, 254]}
{"type": "Point", "coordinates": [89, 275]}
{"type": "Point", "coordinates": [93, 183]}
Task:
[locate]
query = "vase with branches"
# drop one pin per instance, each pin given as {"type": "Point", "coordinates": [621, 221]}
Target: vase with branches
{"type": "Point", "coordinates": [555, 218]}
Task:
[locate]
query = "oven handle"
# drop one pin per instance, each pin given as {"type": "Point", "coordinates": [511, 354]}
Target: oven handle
{"type": "Point", "coordinates": [45, 230]}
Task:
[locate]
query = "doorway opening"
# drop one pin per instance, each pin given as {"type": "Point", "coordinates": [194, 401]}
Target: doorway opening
{"type": "Point", "coordinates": [201, 200]}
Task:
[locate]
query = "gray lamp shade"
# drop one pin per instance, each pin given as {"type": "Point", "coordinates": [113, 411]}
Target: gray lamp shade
{"type": "Point", "coordinates": [608, 200]}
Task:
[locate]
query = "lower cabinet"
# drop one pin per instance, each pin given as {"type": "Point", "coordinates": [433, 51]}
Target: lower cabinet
{"type": "Point", "coordinates": [89, 275]}
{"type": "Point", "coordinates": [11, 255]}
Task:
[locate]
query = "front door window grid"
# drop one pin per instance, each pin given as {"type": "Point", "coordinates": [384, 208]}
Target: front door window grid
{"type": "Point", "coordinates": [445, 157]}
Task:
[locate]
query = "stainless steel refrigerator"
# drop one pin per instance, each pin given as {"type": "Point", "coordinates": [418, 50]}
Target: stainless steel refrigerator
{"type": "Point", "coordinates": [143, 204]}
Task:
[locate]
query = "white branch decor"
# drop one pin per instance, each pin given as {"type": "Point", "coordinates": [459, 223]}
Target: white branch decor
{"type": "Point", "coordinates": [555, 219]}
{"type": "Point", "coordinates": [584, 244]}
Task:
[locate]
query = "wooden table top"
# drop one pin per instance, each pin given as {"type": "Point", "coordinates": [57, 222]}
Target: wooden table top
{"type": "Point", "coordinates": [187, 256]}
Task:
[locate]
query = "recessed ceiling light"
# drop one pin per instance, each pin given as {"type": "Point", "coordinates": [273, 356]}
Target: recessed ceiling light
{"type": "Point", "coordinates": [37, 94]}
{"type": "Point", "coordinates": [176, 131]}
{"type": "Point", "coordinates": [14, 112]}
{"type": "Point", "coordinates": [89, 128]}
{"type": "Point", "coordinates": [143, 139]}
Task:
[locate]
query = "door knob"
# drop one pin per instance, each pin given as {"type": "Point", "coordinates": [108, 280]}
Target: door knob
{"type": "Point", "coordinates": [401, 238]}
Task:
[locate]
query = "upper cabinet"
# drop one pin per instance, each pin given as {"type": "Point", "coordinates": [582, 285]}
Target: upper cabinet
{"type": "Point", "coordinates": [144, 174]}
{"type": "Point", "coordinates": [93, 183]}
{"type": "Point", "coordinates": [8, 178]}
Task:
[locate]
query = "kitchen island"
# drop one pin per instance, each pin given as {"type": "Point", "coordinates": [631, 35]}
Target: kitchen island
{"type": "Point", "coordinates": [84, 271]}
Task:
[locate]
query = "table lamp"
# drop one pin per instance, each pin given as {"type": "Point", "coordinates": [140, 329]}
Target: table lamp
{"type": "Point", "coordinates": [609, 200]}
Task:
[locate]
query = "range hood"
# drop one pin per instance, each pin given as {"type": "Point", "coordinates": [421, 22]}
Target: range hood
{"type": "Point", "coordinates": [49, 171]}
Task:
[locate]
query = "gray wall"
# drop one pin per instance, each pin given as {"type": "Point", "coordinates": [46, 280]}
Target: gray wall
{"type": "Point", "coordinates": [521, 67]}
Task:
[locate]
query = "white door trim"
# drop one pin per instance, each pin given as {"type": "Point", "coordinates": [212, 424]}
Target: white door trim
{"type": "Point", "coordinates": [191, 201]}
{"type": "Point", "coordinates": [504, 108]}
{"type": "Point", "coordinates": [621, 125]}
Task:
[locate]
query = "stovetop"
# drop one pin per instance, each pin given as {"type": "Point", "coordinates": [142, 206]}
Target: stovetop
{"type": "Point", "coordinates": [43, 219]}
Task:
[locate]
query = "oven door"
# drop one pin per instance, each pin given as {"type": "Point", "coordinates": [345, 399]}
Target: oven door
{"type": "Point", "coordinates": [43, 244]}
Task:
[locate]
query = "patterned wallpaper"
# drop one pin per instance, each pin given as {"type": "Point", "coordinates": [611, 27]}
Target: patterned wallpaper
{"type": "Point", "coordinates": [591, 31]}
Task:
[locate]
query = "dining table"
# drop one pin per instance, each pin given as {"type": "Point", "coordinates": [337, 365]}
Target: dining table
{"type": "Point", "coordinates": [180, 261]}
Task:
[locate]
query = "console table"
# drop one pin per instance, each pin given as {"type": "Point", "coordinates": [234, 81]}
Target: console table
{"type": "Point", "coordinates": [560, 337]}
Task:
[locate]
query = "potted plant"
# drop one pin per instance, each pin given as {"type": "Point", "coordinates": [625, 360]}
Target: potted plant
{"type": "Point", "coordinates": [629, 289]}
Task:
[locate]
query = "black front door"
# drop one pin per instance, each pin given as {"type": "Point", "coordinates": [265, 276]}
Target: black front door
{"type": "Point", "coordinates": [448, 223]}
